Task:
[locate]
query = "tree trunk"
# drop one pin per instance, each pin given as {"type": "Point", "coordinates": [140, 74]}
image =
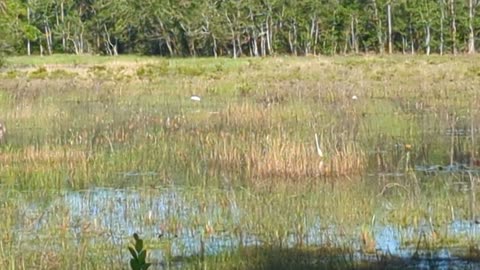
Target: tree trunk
{"type": "Point", "coordinates": [263, 47]}
{"type": "Point", "coordinates": [191, 45]}
{"type": "Point", "coordinates": [412, 43]}
{"type": "Point", "coordinates": [453, 27]}
{"type": "Point", "coordinates": [442, 18]}
{"type": "Point", "coordinates": [232, 31]}
{"type": "Point", "coordinates": [82, 42]}
{"type": "Point", "coordinates": [29, 52]}
{"type": "Point", "coordinates": [315, 41]}
{"type": "Point", "coordinates": [389, 16]}
{"type": "Point", "coordinates": [250, 46]}
{"type": "Point", "coordinates": [214, 46]}
{"type": "Point", "coordinates": [239, 44]}
{"type": "Point", "coordinates": [295, 38]}
{"type": "Point", "coordinates": [379, 26]}
{"type": "Point", "coordinates": [354, 37]}
{"type": "Point", "coordinates": [471, 34]}
{"type": "Point", "coordinates": [109, 46]}
{"type": "Point", "coordinates": [427, 39]}
{"type": "Point", "coordinates": [268, 33]}
{"type": "Point", "coordinates": [234, 46]}
{"type": "Point", "coordinates": [41, 47]}
{"type": "Point", "coordinates": [64, 38]}
{"type": "Point", "coordinates": [48, 38]}
{"type": "Point", "coordinates": [168, 42]}
{"type": "Point", "coordinates": [290, 43]}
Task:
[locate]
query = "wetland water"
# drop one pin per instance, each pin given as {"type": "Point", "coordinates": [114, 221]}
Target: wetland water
{"type": "Point", "coordinates": [174, 222]}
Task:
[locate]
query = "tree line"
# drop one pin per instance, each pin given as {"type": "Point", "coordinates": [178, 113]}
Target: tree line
{"type": "Point", "coordinates": [238, 27]}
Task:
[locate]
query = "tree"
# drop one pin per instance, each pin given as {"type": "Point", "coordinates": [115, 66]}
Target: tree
{"type": "Point", "coordinates": [238, 27]}
{"type": "Point", "coordinates": [472, 6]}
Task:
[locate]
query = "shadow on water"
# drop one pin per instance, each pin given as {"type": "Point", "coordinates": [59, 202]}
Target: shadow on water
{"type": "Point", "coordinates": [265, 258]}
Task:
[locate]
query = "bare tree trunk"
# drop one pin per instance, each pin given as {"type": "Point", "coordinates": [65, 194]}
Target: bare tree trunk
{"type": "Point", "coordinates": [454, 27]}
{"type": "Point", "coordinates": [81, 42]}
{"type": "Point", "coordinates": [254, 45]}
{"type": "Point", "coordinates": [232, 31]}
{"type": "Point", "coordinates": [239, 44]}
{"type": "Point", "coordinates": [250, 45]}
{"type": "Point", "coordinates": [168, 42]}
{"type": "Point", "coordinates": [29, 50]}
{"type": "Point", "coordinates": [427, 39]}
{"type": "Point", "coordinates": [78, 42]}
{"type": "Point", "coordinates": [110, 47]}
{"type": "Point", "coordinates": [354, 37]}
{"type": "Point", "coordinates": [75, 47]}
{"type": "Point", "coordinates": [311, 36]}
{"type": "Point", "coordinates": [290, 43]}
{"type": "Point", "coordinates": [294, 37]}
{"type": "Point", "coordinates": [412, 41]}
{"type": "Point", "coordinates": [59, 20]}
{"type": "Point", "coordinates": [214, 46]}
{"type": "Point", "coordinates": [64, 39]}
{"type": "Point", "coordinates": [234, 46]}
{"type": "Point", "coordinates": [471, 34]}
{"type": "Point", "coordinates": [268, 33]}
{"type": "Point", "coordinates": [412, 44]}
{"type": "Point", "coordinates": [389, 16]}
{"type": "Point", "coordinates": [442, 18]}
{"type": "Point", "coordinates": [315, 41]}
{"type": "Point", "coordinates": [263, 47]}
{"type": "Point", "coordinates": [41, 47]}
{"type": "Point", "coordinates": [379, 26]}
{"type": "Point", "coordinates": [48, 38]}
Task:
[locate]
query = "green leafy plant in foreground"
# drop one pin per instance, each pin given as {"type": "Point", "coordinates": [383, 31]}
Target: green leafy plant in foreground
{"type": "Point", "coordinates": [139, 254]}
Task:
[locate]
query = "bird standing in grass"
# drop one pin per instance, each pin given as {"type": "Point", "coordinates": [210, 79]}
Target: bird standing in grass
{"type": "Point", "coordinates": [3, 132]}
{"type": "Point", "coordinates": [195, 98]}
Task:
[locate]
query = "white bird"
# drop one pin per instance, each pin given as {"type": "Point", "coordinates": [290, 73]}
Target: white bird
{"type": "Point", "coordinates": [195, 98]}
{"type": "Point", "coordinates": [3, 132]}
{"type": "Point", "coordinates": [354, 97]}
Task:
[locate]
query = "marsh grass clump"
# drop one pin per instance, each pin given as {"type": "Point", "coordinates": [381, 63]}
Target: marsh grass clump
{"type": "Point", "coordinates": [39, 73]}
{"type": "Point", "coordinates": [276, 157]}
{"type": "Point", "coordinates": [62, 74]}
{"type": "Point", "coordinates": [144, 72]}
{"type": "Point", "coordinates": [12, 74]}
{"type": "Point", "coordinates": [190, 70]}
{"type": "Point", "coordinates": [3, 60]}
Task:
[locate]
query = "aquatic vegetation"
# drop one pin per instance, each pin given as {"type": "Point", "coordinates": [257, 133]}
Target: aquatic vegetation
{"type": "Point", "coordinates": [139, 254]}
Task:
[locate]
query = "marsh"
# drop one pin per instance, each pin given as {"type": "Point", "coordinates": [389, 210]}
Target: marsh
{"type": "Point", "coordinates": [98, 151]}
